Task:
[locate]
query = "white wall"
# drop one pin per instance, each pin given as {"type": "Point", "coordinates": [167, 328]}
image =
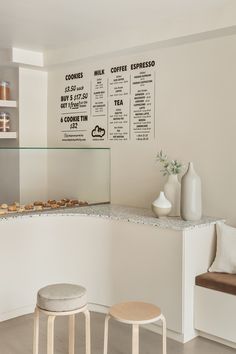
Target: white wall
{"type": "Point", "coordinates": [195, 121]}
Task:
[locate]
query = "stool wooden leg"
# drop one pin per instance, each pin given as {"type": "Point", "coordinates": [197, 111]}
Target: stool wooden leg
{"type": "Point", "coordinates": [71, 334]}
{"type": "Point", "coordinates": [163, 334]}
{"type": "Point", "coordinates": [50, 335]}
{"type": "Point", "coordinates": [105, 345]}
{"type": "Point", "coordinates": [87, 332]}
{"type": "Point", "coordinates": [36, 331]}
{"type": "Point", "coordinates": [135, 339]}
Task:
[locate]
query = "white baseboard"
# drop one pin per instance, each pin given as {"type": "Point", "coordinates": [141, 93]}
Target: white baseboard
{"type": "Point", "coordinates": [178, 337]}
{"type": "Point", "coordinates": [98, 308]}
{"type": "Point", "coordinates": [151, 327]}
{"type": "Point", "coordinates": [16, 313]}
{"type": "Point", "coordinates": [217, 339]}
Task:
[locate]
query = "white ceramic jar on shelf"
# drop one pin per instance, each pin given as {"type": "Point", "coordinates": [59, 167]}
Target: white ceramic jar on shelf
{"type": "Point", "coordinates": [161, 206]}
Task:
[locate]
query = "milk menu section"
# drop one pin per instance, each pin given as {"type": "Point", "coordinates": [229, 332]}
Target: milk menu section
{"type": "Point", "coordinates": [115, 103]}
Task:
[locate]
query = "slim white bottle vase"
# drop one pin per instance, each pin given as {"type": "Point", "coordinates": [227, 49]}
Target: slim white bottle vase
{"type": "Point", "coordinates": [191, 195]}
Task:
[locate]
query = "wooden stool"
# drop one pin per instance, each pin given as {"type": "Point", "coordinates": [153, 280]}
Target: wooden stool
{"type": "Point", "coordinates": [61, 300]}
{"type": "Point", "coordinates": [135, 313]}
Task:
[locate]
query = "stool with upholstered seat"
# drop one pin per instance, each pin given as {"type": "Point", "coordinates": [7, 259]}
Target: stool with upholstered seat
{"type": "Point", "coordinates": [61, 300]}
{"type": "Point", "coordinates": [135, 313]}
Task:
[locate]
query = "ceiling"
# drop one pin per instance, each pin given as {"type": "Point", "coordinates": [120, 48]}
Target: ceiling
{"type": "Point", "coordinates": [53, 24]}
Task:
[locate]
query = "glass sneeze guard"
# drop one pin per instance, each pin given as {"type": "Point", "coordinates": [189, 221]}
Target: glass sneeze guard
{"type": "Point", "coordinates": [29, 174]}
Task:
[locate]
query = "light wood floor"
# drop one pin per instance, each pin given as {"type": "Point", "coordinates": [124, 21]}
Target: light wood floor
{"type": "Point", "coordinates": [16, 338]}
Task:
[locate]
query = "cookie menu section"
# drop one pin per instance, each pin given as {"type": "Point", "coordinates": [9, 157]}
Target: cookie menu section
{"type": "Point", "coordinates": [74, 108]}
{"type": "Point", "coordinates": [110, 103]}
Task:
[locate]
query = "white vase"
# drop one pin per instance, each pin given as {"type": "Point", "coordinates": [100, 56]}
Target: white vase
{"type": "Point", "coordinates": [161, 206]}
{"type": "Point", "coordinates": [191, 195]}
{"type": "Point", "coordinates": [172, 190]}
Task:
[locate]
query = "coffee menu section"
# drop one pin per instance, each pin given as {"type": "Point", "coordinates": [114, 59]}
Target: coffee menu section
{"type": "Point", "coordinates": [114, 103]}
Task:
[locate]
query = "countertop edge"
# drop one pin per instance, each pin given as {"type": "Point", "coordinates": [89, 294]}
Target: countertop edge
{"type": "Point", "coordinates": [120, 213]}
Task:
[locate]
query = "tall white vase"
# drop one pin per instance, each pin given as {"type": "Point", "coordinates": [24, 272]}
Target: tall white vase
{"type": "Point", "coordinates": [172, 190]}
{"type": "Point", "coordinates": [191, 195]}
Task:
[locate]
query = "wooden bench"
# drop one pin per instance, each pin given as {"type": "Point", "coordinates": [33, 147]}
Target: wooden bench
{"type": "Point", "coordinates": [215, 306]}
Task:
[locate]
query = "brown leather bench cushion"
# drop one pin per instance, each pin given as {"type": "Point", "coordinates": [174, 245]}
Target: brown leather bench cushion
{"type": "Point", "coordinates": [223, 282]}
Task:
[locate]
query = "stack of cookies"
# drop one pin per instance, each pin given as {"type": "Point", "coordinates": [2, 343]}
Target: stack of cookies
{"type": "Point", "coordinates": [40, 205]}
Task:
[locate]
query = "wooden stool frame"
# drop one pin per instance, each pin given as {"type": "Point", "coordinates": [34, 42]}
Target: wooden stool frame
{"type": "Point", "coordinates": [135, 332]}
{"type": "Point", "coordinates": [50, 329]}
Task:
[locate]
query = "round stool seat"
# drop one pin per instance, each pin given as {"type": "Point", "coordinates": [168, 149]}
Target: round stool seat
{"type": "Point", "coordinates": [135, 312]}
{"type": "Point", "coordinates": [61, 297]}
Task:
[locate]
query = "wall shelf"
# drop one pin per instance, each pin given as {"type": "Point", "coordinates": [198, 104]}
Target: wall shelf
{"type": "Point", "coordinates": [8, 103]}
{"type": "Point", "coordinates": [8, 135]}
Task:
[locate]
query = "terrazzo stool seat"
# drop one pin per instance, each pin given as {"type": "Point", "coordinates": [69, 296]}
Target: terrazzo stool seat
{"type": "Point", "coordinates": [135, 313]}
{"type": "Point", "coordinates": [61, 300]}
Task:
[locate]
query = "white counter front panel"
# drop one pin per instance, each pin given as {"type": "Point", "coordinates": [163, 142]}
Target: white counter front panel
{"type": "Point", "coordinates": [115, 261]}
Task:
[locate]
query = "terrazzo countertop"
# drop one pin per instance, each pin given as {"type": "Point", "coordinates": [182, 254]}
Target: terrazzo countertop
{"type": "Point", "coordinates": [118, 212]}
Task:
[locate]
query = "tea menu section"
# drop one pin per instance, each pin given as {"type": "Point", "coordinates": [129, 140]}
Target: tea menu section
{"type": "Point", "coordinates": [115, 103]}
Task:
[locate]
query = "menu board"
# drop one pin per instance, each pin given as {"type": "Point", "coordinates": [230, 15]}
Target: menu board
{"type": "Point", "coordinates": [111, 103]}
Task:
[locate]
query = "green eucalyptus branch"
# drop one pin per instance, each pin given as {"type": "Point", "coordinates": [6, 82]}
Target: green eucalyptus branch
{"type": "Point", "coordinates": [169, 167]}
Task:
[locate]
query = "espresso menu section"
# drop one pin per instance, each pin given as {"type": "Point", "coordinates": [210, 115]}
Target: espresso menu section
{"type": "Point", "coordinates": [115, 103]}
{"type": "Point", "coordinates": [143, 105]}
